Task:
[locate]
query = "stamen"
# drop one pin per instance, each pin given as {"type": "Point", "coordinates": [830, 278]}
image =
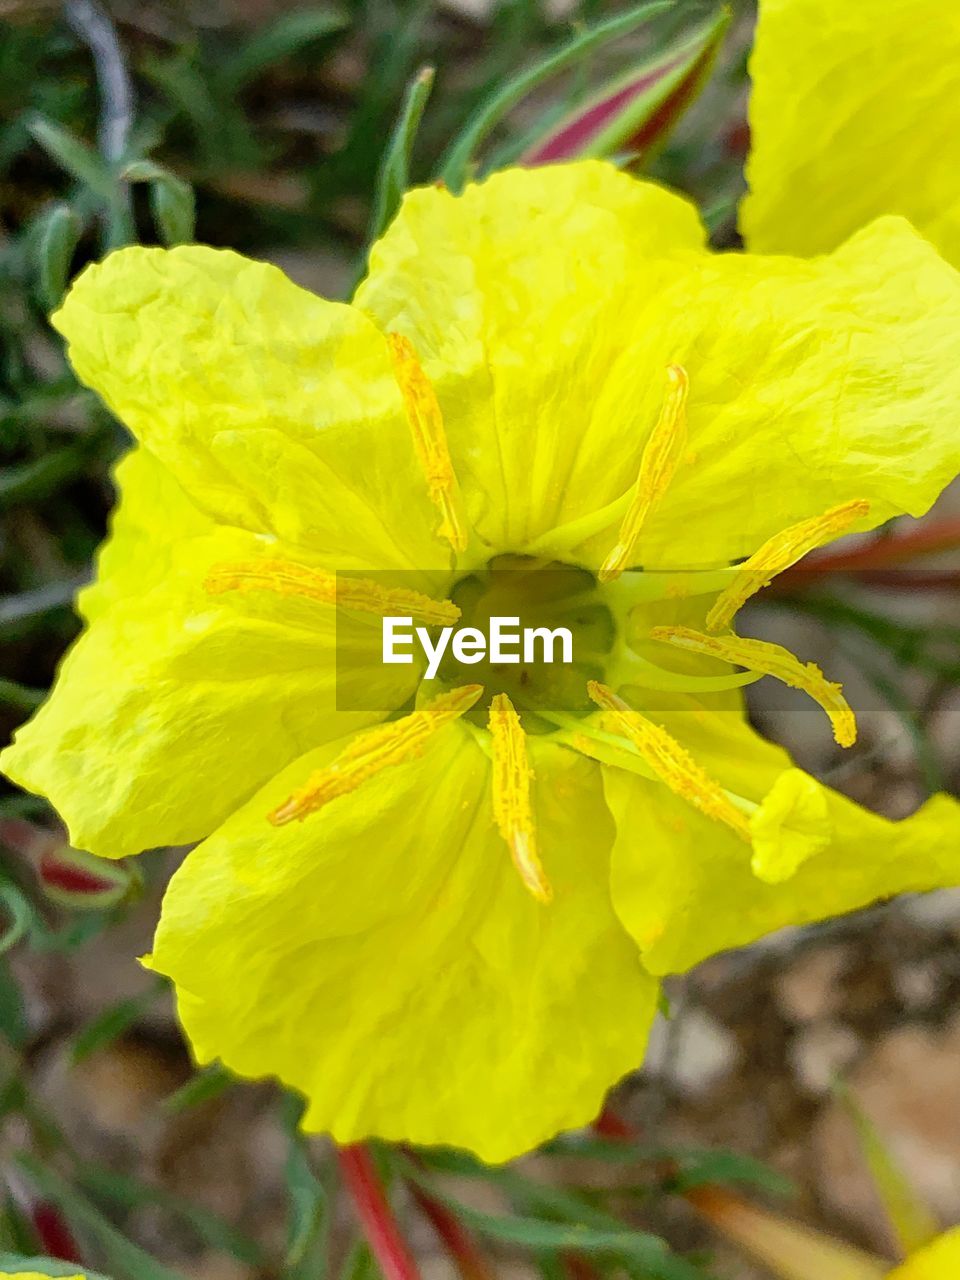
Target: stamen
{"type": "Point", "coordinates": [429, 438]}
{"type": "Point", "coordinates": [388, 744]}
{"type": "Point", "coordinates": [670, 761]}
{"type": "Point", "coordinates": [287, 578]}
{"type": "Point", "coordinates": [512, 809]}
{"type": "Point", "coordinates": [658, 463]}
{"type": "Point", "coordinates": [779, 553]}
{"type": "Point", "coordinates": [771, 660]}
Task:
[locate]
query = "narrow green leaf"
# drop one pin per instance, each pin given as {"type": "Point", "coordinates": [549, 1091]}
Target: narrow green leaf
{"type": "Point", "coordinates": [456, 165]}
{"type": "Point", "coordinates": [74, 155]}
{"type": "Point", "coordinates": [359, 1264]}
{"type": "Point", "coordinates": [172, 201]}
{"type": "Point", "coordinates": [59, 236]}
{"type": "Point", "coordinates": [205, 1085]}
{"type": "Point", "coordinates": [125, 1260]}
{"type": "Point", "coordinates": [394, 176]}
{"type": "Point", "coordinates": [112, 1023]}
{"type": "Point", "coordinates": [913, 1223]}
{"type": "Point", "coordinates": [581, 1228]}
{"type": "Point", "coordinates": [35, 480]}
{"type": "Point", "coordinates": [129, 1193]}
{"type": "Point", "coordinates": [13, 1017]}
{"type": "Point", "coordinates": [20, 698]}
{"type": "Point", "coordinates": [17, 915]}
{"type": "Point", "coordinates": [283, 38]}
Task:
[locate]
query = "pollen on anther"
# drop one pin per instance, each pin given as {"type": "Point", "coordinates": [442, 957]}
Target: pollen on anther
{"type": "Point", "coordinates": [512, 806]}
{"type": "Point", "coordinates": [661, 456]}
{"type": "Point", "coordinates": [671, 762]}
{"type": "Point", "coordinates": [345, 591]}
{"type": "Point", "coordinates": [780, 552]}
{"type": "Point", "coordinates": [373, 750]}
{"type": "Point", "coordinates": [429, 439]}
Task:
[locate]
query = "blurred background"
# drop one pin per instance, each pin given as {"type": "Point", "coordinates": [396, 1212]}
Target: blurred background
{"type": "Point", "coordinates": [263, 126]}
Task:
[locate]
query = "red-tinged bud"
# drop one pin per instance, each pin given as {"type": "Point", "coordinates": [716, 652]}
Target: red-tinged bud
{"type": "Point", "coordinates": [789, 1250]}
{"type": "Point", "coordinates": [67, 875]}
{"type": "Point", "coordinates": [636, 114]}
{"type": "Point", "coordinates": [54, 1235]}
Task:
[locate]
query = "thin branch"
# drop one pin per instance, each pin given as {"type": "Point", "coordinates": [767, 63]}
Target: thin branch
{"type": "Point", "coordinates": [374, 1213]}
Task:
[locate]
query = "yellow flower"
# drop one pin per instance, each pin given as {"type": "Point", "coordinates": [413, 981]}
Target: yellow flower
{"type": "Point", "coordinates": [36, 1275]}
{"type": "Point", "coordinates": [938, 1261]}
{"type": "Point", "coordinates": [854, 113]}
{"type": "Point", "coordinates": [412, 921]}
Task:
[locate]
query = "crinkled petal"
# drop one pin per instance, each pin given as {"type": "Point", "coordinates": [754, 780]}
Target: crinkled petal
{"type": "Point", "coordinates": [684, 886]}
{"type": "Point", "coordinates": [277, 411]}
{"type": "Point", "coordinates": [854, 113]}
{"type": "Point", "coordinates": [548, 304]}
{"type": "Point", "coordinates": [384, 958]}
{"type": "Point", "coordinates": [812, 384]}
{"type": "Point", "coordinates": [175, 705]}
{"type": "Point", "coordinates": [520, 295]}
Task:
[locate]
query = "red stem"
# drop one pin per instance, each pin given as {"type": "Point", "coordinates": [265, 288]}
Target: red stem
{"type": "Point", "coordinates": [458, 1242]}
{"type": "Point", "coordinates": [881, 553]}
{"type": "Point", "coordinates": [374, 1213]}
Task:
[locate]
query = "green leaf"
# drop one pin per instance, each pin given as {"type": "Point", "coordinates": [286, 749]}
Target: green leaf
{"type": "Point", "coordinates": [130, 1193]}
{"type": "Point", "coordinates": [19, 698]}
{"type": "Point", "coordinates": [205, 1085]}
{"type": "Point", "coordinates": [457, 163]}
{"type": "Point", "coordinates": [394, 176]}
{"type": "Point", "coordinates": [307, 1251]}
{"type": "Point", "coordinates": [290, 33]}
{"type": "Point", "coordinates": [360, 1264]}
{"type": "Point", "coordinates": [172, 201]}
{"type": "Point", "coordinates": [74, 155]}
{"type": "Point", "coordinates": [59, 235]}
{"type": "Point", "coordinates": [112, 1023]}
{"type": "Point", "coordinates": [913, 1223]}
{"type": "Point", "coordinates": [18, 915]}
{"type": "Point", "coordinates": [125, 1260]}
{"type": "Point", "coordinates": [13, 1018]}
{"type": "Point", "coordinates": [577, 1227]}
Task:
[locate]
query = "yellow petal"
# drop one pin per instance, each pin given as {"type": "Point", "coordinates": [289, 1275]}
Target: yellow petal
{"type": "Point", "coordinates": [386, 960]}
{"type": "Point", "coordinates": [854, 113]}
{"type": "Point", "coordinates": [520, 297]}
{"type": "Point", "coordinates": [813, 385]}
{"type": "Point", "coordinates": [259, 397]}
{"type": "Point", "coordinates": [687, 888]}
{"type": "Point", "coordinates": [791, 825]}
{"type": "Point", "coordinates": [938, 1261]}
{"type": "Point", "coordinates": [175, 704]}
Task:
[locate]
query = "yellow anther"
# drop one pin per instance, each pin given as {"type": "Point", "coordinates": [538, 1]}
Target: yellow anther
{"type": "Point", "coordinates": [287, 578]}
{"type": "Point", "coordinates": [512, 810]}
{"type": "Point", "coordinates": [771, 660]}
{"type": "Point", "coordinates": [658, 463]}
{"type": "Point", "coordinates": [671, 763]}
{"type": "Point", "coordinates": [779, 553]}
{"type": "Point", "coordinates": [374, 750]}
{"type": "Point", "coordinates": [429, 439]}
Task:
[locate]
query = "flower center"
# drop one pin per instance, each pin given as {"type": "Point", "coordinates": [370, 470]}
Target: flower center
{"type": "Point", "coordinates": [537, 599]}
